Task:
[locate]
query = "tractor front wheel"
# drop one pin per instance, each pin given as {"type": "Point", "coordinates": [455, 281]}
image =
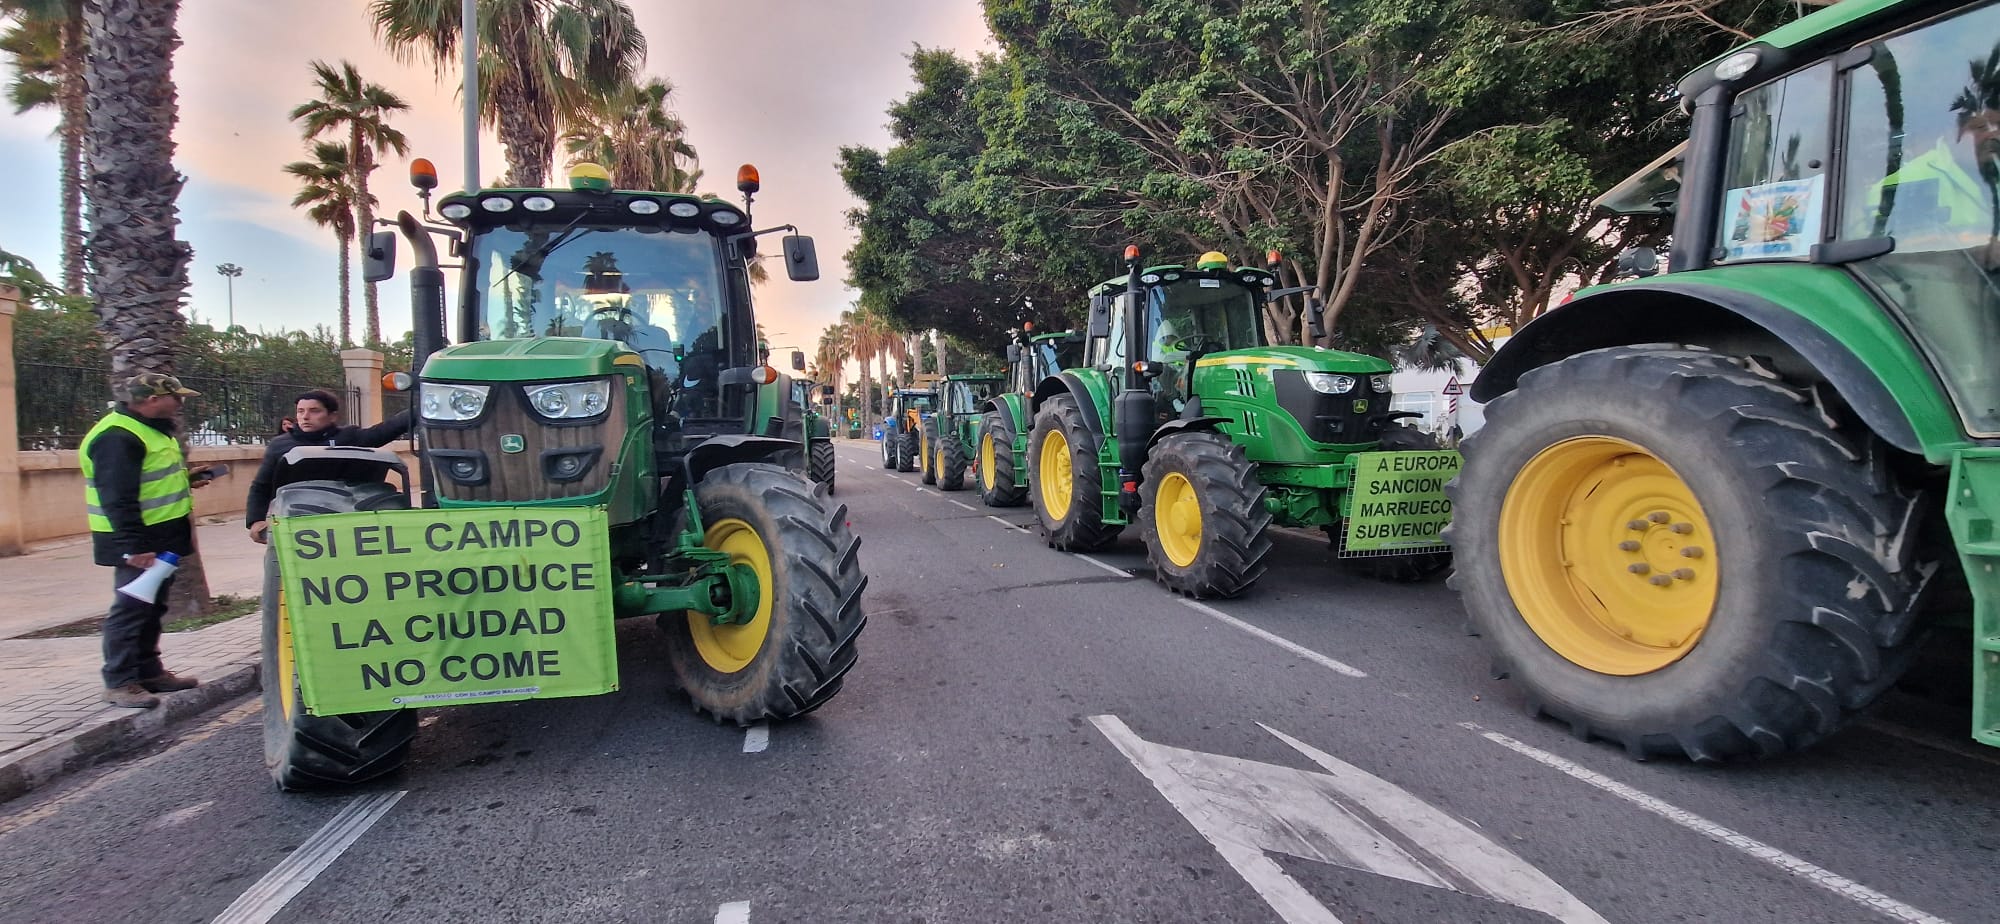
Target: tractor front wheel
{"type": "Point", "coordinates": [1676, 551]}
{"type": "Point", "coordinates": [928, 452]}
{"type": "Point", "coordinates": [821, 463]}
{"type": "Point", "coordinates": [999, 484]}
{"type": "Point", "coordinates": [889, 450]}
{"type": "Point", "coordinates": [795, 650]}
{"type": "Point", "coordinates": [951, 462]}
{"type": "Point", "coordinates": [1205, 518]}
{"type": "Point", "coordinates": [1067, 487]}
{"type": "Point", "coordinates": [906, 451]}
{"type": "Point", "coordinates": [304, 751]}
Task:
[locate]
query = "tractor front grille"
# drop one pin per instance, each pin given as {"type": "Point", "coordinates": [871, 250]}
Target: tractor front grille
{"type": "Point", "coordinates": [1348, 418]}
{"type": "Point", "coordinates": [513, 454]}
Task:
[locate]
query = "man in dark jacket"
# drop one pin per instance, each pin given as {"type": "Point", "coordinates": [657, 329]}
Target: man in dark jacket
{"type": "Point", "coordinates": [138, 494]}
{"type": "Point", "coordinates": [318, 425]}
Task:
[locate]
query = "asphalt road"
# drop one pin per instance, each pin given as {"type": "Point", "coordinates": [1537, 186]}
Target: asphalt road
{"type": "Point", "coordinates": [1036, 736]}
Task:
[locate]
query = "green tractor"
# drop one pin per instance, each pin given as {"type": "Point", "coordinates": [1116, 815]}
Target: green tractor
{"type": "Point", "coordinates": [606, 370]}
{"type": "Point", "coordinates": [902, 430]}
{"type": "Point", "coordinates": [816, 428]}
{"type": "Point", "coordinates": [952, 431]}
{"type": "Point", "coordinates": [1001, 461]}
{"type": "Point", "coordinates": [1183, 422]}
{"type": "Point", "coordinates": [1714, 512]}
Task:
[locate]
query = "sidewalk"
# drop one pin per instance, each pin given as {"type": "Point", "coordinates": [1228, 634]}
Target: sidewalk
{"type": "Point", "coordinates": [51, 720]}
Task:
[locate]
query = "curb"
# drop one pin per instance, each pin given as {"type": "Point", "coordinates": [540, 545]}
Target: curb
{"type": "Point", "coordinates": [40, 764]}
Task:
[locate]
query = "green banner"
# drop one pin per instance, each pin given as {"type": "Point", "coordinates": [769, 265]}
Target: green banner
{"type": "Point", "coordinates": [398, 608]}
{"type": "Point", "coordinates": [1398, 501]}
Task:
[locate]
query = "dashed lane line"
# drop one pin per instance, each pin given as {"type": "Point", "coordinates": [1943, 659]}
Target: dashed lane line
{"type": "Point", "coordinates": [1278, 640]}
{"type": "Point", "coordinates": [1117, 571]}
{"type": "Point", "coordinates": [733, 913]}
{"type": "Point", "coordinates": [265, 898]}
{"type": "Point", "coordinates": [966, 506]}
{"type": "Point", "coordinates": [756, 738]}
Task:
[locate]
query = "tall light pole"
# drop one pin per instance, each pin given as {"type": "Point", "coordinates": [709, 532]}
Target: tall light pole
{"type": "Point", "coordinates": [229, 273]}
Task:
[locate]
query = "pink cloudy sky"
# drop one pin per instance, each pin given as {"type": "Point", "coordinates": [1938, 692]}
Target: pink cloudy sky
{"type": "Point", "coordinates": [806, 77]}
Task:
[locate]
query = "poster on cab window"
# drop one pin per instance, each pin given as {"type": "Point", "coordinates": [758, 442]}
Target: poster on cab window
{"type": "Point", "coordinates": [1772, 220]}
{"type": "Point", "coordinates": [395, 609]}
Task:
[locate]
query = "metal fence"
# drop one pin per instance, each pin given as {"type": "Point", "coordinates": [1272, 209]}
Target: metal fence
{"type": "Point", "coordinates": [57, 405]}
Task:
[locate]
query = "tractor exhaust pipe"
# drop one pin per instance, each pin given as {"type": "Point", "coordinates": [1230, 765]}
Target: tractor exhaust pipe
{"type": "Point", "coordinates": [1133, 411]}
{"type": "Point", "coordinates": [426, 292]}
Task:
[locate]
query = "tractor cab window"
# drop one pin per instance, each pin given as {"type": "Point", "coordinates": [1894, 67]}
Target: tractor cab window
{"type": "Point", "coordinates": [1200, 315]}
{"type": "Point", "coordinates": [658, 292]}
{"type": "Point", "coordinates": [1922, 169]}
{"type": "Point", "coordinates": [1774, 185]}
{"type": "Point", "coordinates": [964, 397]}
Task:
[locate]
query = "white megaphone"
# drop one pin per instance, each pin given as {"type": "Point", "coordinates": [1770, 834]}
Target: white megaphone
{"type": "Point", "coordinates": [147, 585]}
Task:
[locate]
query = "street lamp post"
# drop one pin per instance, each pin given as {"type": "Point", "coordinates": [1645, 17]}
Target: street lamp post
{"type": "Point", "coordinates": [229, 273]}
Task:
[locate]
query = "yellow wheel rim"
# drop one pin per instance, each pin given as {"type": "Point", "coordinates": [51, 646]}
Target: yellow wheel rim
{"type": "Point", "coordinates": [731, 648]}
{"type": "Point", "coordinates": [1177, 519]}
{"type": "Point", "coordinates": [1608, 556]}
{"type": "Point", "coordinates": [1054, 476]}
{"type": "Point", "coordinates": [924, 448]}
{"type": "Point", "coordinates": [986, 461]}
{"type": "Point", "coordinates": [288, 668]}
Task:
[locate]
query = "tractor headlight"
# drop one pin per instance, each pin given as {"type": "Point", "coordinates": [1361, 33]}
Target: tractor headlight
{"type": "Point", "coordinates": [571, 400]}
{"type": "Point", "coordinates": [1330, 383]}
{"type": "Point", "coordinates": [448, 401]}
{"type": "Point", "coordinates": [1380, 383]}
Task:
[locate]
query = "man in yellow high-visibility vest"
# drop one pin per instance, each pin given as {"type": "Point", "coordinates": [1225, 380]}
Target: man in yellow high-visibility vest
{"type": "Point", "coordinates": [139, 497]}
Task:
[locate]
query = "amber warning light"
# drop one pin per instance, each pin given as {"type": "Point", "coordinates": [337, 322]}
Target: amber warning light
{"type": "Point", "coordinates": [423, 174]}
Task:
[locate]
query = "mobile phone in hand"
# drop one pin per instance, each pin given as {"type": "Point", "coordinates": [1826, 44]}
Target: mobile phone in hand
{"type": "Point", "coordinates": [213, 472]}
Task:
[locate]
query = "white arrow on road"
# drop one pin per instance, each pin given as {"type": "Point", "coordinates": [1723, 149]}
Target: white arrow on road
{"type": "Point", "coordinates": [1346, 817]}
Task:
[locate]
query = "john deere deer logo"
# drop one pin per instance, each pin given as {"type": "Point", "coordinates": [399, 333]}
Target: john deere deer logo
{"type": "Point", "coordinates": [512, 442]}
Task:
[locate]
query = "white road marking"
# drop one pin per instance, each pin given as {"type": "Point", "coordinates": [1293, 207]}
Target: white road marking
{"type": "Point", "coordinates": [916, 487]}
{"type": "Point", "coordinates": [1979, 753]}
{"type": "Point", "coordinates": [1005, 523]}
{"type": "Point", "coordinates": [1117, 571]}
{"type": "Point", "coordinates": [756, 738]}
{"type": "Point", "coordinates": [1816, 875]}
{"type": "Point", "coordinates": [1346, 817]}
{"type": "Point", "coordinates": [733, 913]}
{"type": "Point", "coordinates": [966, 506]}
{"type": "Point", "coordinates": [1278, 640]}
{"type": "Point", "coordinates": [265, 898]}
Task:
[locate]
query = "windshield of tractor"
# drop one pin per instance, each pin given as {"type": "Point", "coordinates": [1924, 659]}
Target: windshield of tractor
{"type": "Point", "coordinates": [659, 292]}
{"type": "Point", "coordinates": [1922, 168]}
{"type": "Point", "coordinates": [964, 397]}
{"type": "Point", "coordinates": [1192, 315]}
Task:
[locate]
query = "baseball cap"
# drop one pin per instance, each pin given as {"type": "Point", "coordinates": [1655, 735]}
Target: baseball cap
{"type": "Point", "coordinates": [148, 384]}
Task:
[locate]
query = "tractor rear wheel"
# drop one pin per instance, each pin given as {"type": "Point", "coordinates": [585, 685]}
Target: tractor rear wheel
{"type": "Point", "coordinates": [1410, 567]}
{"type": "Point", "coordinates": [793, 654]}
{"type": "Point", "coordinates": [889, 450]}
{"type": "Point", "coordinates": [1681, 553]}
{"type": "Point", "coordinates": [906, 451]}
{"type": "Point", "coordinates": [319, 751]}
{"type": "Point", "coordinates": [928, 452]}
{"type": "Point", "coordinates": [822, 463]}
{"type": "Point", "coordinates": [999, 484]}
{"type": "Point", "coordinates": [951, 462]}
{"type": "Point", "coordinates": [1067, 486]}
{"type": "Point", "coordinates": [1204, 516]}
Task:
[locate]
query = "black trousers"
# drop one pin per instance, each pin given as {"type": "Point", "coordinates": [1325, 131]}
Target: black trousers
{"type": "Point", "coordinates": [132, 632]}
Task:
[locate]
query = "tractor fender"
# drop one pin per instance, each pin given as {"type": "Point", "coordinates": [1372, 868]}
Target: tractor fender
{"type": "Point", "coordinates": [718, 451]}
{"type": "Point", "coordinates": [1067, 383]}
{"type": "Point", "coordinates": [1690, 313]}
{"type": "Point", "coordinates": [1184, 425]}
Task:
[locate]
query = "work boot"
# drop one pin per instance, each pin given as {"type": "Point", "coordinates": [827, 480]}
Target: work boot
{"type": "Point", "coordinates": [168, 683]}
{"type": "Point", "coordinates": [131, 696]}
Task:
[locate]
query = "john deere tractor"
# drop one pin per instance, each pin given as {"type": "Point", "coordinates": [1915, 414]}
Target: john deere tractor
{"type": "Point", "coordinates": [1001, 460]}
{"type": "Point", "coordinates": [1714, 511]}
{"type": "Point", "coordinates": [952, 431]}
{"type": "Point", "coordinates": [1182, 422]}
{"type": "Point", "coordinates": [902, 430]}
{"type": "Point", "coordinates": [605, 370]}
{"type": "Point", "coordinates": [817, 430]}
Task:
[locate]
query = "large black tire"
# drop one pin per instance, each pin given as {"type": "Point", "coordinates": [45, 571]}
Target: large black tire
{"type": "Point", "coordinates": [319, 751]}
{"type": "Point", "coordinates": [1413, 567]}
{"type": "Point", "coordinates": [888, 450]}
{"type": "Point", "coordinates": [1227, 516]}
{"type": "Point", "coordinates": [906, 451]}
{"type": "Point", "coordinates": [927, 452]}
{"type": "Point", "coordinates": [951, 461]}
{"type": "Point", "coordinates": [1815, 602]}
{"type": "Point", "coordinates": [1081, 528]}
{"type": "Point", "coordinates": [811, 611]}
{"type": "Point", "coordinates": [999, 484]}
{"type": "Point", "coordinates": [821, 464]}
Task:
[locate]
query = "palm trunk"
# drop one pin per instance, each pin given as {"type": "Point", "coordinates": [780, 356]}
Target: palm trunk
{"type": "Point", "coordinates": [361, 162]}
{"type": "Point", "coordinates": [75, 120]}
{"type": "Point", "coordinates": [529, 143]}
{"type": "Point", "coordinates": [346, 274]}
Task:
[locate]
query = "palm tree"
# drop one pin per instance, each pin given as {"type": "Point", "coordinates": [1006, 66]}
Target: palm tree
{"type": "Point", "coordinates": [48, 47]}
{"type": "Point", "coordinates": [632, 133]}
{"type": "Point", "coordinates": [540, 61]}
{"type": "Point", "coordinates": [138, 269]}
{"type": "Point", "coordinates": [347, 104]}
{"type": "Point", "coordinates": [326, 183]}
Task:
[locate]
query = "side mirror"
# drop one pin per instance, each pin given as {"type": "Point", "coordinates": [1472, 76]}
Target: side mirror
{"type": "Point", "coordinates": [1638, 261]}
{"type": "Point", "coordinates": [1013, 353]}
{"type": "Point", "coordinates": [1314, 311]}
{"type": "Point", "coordinates": [801, 261]}
{"type": "Point", "coordinates": [1100, 316]}
{"type": "Point", "coordinates": [378, 260]}
{"type": "Point", "coordinates": [798, 361]}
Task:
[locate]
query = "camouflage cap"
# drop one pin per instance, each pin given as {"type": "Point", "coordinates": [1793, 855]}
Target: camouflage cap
{"type": "Point", "coordinates": [149, 384]}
